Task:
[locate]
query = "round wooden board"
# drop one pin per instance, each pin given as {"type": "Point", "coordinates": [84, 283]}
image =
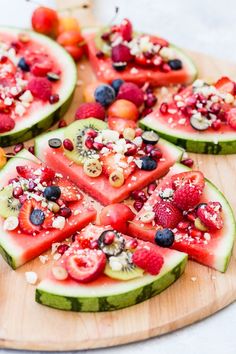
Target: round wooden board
{"type": "Point", "coordinates": [200, 292]}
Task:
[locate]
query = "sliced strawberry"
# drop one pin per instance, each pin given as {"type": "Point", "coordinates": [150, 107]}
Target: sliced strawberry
{"type": "Point", "coordinates": [191, 177]}
{"type": "Point", "coordinates": [47, 175]}
{"type": "Point", "coordinates": [25, 172]}
{"type": "Point", "coordinates": [24, 216]}
{"type": "Point", "coordinates": [210, 215]}
{"type": "Point", "coordinates": [42, 67]}
{"type": "Point", "coordinates": [167, 214]}
{"type": "Point", "coordinates": [49, 217]}
{"type": "Point", "coordinates": [86, 265]}
{"type": "Point", "coordinates": [69, 191]}
{"type": "Point", "coordinates": [158, 40]}
{"type": "Point", "coordinates": [225, 85]}
{"type": "Point", "coordinates": [109, 165]}
{"type": "Point", "coordinates": [120, 124]}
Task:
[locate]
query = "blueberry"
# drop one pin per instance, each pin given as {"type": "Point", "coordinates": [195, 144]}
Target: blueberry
{"type": "Point", "coordinates": [164, 238]}
{"type": "Point", "coordinates": [120, 66]}
{"type": "Point", "coordinates": [148, 164]}
{"type": "Point", "coordinates": [105, 94]}
{"type": "Point", "coordinates": [52, 193]}
{"type": "Point", "coordinates": [23, 65]}
{"type": "Point", "coordinates": [37, 217]}
{"type": "Point", "coordinates": [175, 64]}
{"type": "Point", "coordinates": [55, 143]}
{"type": "Point", "coordinates": [116, 84]}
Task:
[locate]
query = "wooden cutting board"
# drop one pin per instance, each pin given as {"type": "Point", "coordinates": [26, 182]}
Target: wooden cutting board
{"type": "Point", "coordinates": [200, 292]}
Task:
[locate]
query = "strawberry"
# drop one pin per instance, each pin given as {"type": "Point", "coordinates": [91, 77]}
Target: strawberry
{"type": "Point", "coordinates": [86, 265]}
{"type": "Point", "coordinates": [69, 191]}
{"type": "Point", "coordinates": [45, 20]}
{"type": "Point", "coordinates": [109, 165]}
{"type": "Point", "coordinates": [187, 196]}
{"type": "Point", "coordinates": [41, 67]}
{"type": "Point", "coordinates": [40, 87]}
{"type": "Point", "coordinates": [231, 118]}
{"type": "Point", "coordinates": [119, 124]}
{"type": "Point", "coordinates": [121, 53]}
{"type": "Point", "coordinates": [167, 214]}
{"type": "Point", "coordinates": [25, 172]}
{"type": "Point", "coordinates": [131, 92]}
{"type": "Point", "coordinates": [148, 259]}
{"type": "Point", "coordinates": [47, 175]}
{"type": "Point", "coordinates": [191, 177]}
{"type": "Point", "coordinates": [210, 215]}
{"type": "Point", "coordinates": [6, 123]}
{"type": "Point", "coordinates": [224, 84]}
{"type": "Point", "coordinates": [126, 30]}
{"type": "Point", "coordinates": [90, 109]}
{"type": "Point", "coordinates": [49, 217]}
{"type": "Point", "coordinates": [24, 216]}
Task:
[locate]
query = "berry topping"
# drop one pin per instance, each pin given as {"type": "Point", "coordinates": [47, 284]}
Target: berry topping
{"type": "Point", "coordinates": [191, 177]}
{"type": "Point", "coordinates": [6, 123]}
{"type": "Point", "coordinates": [175, 64]}
{"type": "Point", "coordinates": [164, 238]}
{"type": "Point", "coordinates": [55, 143]}
{"type": "Point", "coordinates": [25, 172]}
{"type": "Point", "coordinates": [29, 224]}
{"type": "Point", "coordinates": [150, 137]}
{"type": "Point", "coordinates": [116, 84]}
{"type": "Point", "coordinates": [187, 196]}
{"type": "Point", "coordinates": [52, 193]}
{"type": "Point", "coordinates": [90, 109]}
{"type": "Point", "coordinates": [22, 64]}
{"type": "Point", "coordinates": [148, 259]}
{"type": "Point", "coordinates": [104, 94]}
{"type": "Point", "coordinates": [40, 88]}
{"type": "Point", "coordinates": [37, 217]}
{"type": "Point", "coordinates": [47, 175]}
{"type": "Point", "coordinates": [68, 144]}
{"type": "Point", "coordinates": [148, 163]}
{"type": "Point", "coordinates": [131, 92]}
{"type": "Point", "coordinates": [69, 191]}
{"type": "Point", "coordinates": [210, 215]}
{"type": "Point", "coordinates": [167, 214]}
{"type": "Point", "coordinates": [126, 29]}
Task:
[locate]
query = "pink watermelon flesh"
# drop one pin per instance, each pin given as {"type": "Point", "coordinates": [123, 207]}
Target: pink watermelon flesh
{"type": "Point", "coordinates": [105, 72]}
{"type": "Point", "coordinates": [19, 248]}
{"type": "Point", "coordinates": [215, 252]}
{"type": "Point", "coordinates": [99, 187]}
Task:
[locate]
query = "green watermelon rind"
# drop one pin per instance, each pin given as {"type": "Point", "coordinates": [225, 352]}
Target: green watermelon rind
{"type": "Point", "coordinates": [50, 295]}
{"type": "Point", "coordinates": [52, 112]}
{"type": "Point", "coordinates": [223, 146]}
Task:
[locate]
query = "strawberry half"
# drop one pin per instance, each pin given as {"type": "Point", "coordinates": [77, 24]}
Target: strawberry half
{"type": "Point", "coordinates": [69, 191]}
{"type": "Point", "coordinates": [25, 172]}
{"type": "Point", "coordinates": [24, 216]}
{"type": "Point", "coordinates": [47, 175]}
{"type": "Point", "coordinates": [167, 214]}
{"type": "Point", "coordinates": [210, 215]}
{"type": "Point", "coordinates": [109, 165]}
{"type": "Point", "coordinates": [225, 85]}
{"type": "Point", "coordinates": [190, 177]}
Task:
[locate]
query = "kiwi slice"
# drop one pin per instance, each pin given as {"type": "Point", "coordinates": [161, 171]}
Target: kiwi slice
{"type": "Point", "coordinates": [10, 206]}
{"type": "Point", "coordinates": [128, 269]}
{"type": "Point", "coordinates": [75, 132]}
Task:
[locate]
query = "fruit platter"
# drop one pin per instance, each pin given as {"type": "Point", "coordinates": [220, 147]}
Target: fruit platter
{"type": "Point", "coordinates": [113, 203]}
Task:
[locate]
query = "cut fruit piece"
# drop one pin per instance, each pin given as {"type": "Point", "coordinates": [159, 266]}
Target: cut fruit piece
{"type": "Point", "coordinates": [122, 268]}
{"type": "Point", "coordinates": [100, 188]}
{"type": "Point", "coordinates": [75, 132]}
{"type": "Point", "coordinates": [40, 115]}
{"type": "Point", "coordinates": [213, 248]}
{"type": "Point", "coordinates": [10, 206]}
{"type": "Point", "coordinates": [106, 293]}
{"type": "Point", "coordinates": [18, 247]}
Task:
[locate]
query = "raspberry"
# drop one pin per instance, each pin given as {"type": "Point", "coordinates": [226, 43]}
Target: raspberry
{"type": "Point", "coordinates": [91, 109]}
{"type": "Point", "coordinates": [167, 215]}
{"type": "Point", "coordinates": [40, 88]}
{"type": "Point", "coordinates": [187, 196]}
{"type": "Point", "coordinates": [131, 92]}
{"type": "Point", "coordinates": [121, 53]}
{"type": "Point", "coordinates": [149, 260]}
{"type": "Point", "coordinates": [210, 216]}
{"type": "Point", "coordinates": [6, 123]}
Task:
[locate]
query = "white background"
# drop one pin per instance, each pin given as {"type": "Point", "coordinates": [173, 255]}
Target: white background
{"type": "Point", "coordinates": [203, 25]}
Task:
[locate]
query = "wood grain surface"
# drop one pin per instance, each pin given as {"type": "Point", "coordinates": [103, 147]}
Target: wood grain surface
{"type": "Point", "coordinates": [200, 292]}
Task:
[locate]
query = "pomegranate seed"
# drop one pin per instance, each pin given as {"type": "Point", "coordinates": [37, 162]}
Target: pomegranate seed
{"type": "Point", "coordinates": [94, 244]}
{"type": "Point", "coordinates": [31, 185]}
{"type": "Point", "coordinates": [18, 147]}
{"type": "Point", "coordinates": [216, 125]}
{"type": "Point", "coordinates": [73, 237]}
{"type": "Point", "coordinates": [222, 116]}
{"type": "Point", "coordinates": [150, 189]}
{"type": "Point", "coordinates": [138, 132]}
{"type": "Point", "coordinates": [109, 238]}
{"type": "Point", "coordinates": [191, 216]}
{"type": "Point", "coordinates": [138, 204]}
{"type": "Point", "coordinates": [65, 212]}
{"type": "Point", "coordinates": [12, 180]}
{"type": "Point", "coordinates": [100, 55]}
{"type": "Point", "coordinates": [62, 124]}
{"type": "Point", "coordinates": [164, 108]}
{"type": "Point", "coordinates": [31, 149]}
{"type": "Point", "coordinates": [54, 98]}
{"type": "Point", "coordinates": [68, 145]}
{"type": "Point", "coordinates": [62, 248]}
{"type": "Point", "coordinates": [156, 153]}
{"type": "Point", "coordinates": [132, 150]}
{"type": "Point", "coordinates": [150, 101]}
{"type": "Point", "coordinates": [187, 162]}
{"type": "Point", "coordinates": [148, 55]}
{"type": "Point", "coordinates": [17, 192]}
{"type": "Point", "coordinates": [89, 142]}
{"type": "Point", "coordinates": [191, 101]}
{"type": "Point", "coordinates": [165, 68]}
{"type": "Point", "coordinates": [215, 108]}
{"type": "Point", "coordinates": [139, 195]}
{"type": "Point", "coordinates": [98, 146]}
{"type": "Point", "coordinates": [16, 45]}
{"type": "Point", "coordinates": [132, 244]}
{"type": "Point", "coordinates": [92, 133]}
{"type": "Point", "coordinates": [106, 36]}
{"type": "Point", "coordinates": [183, 225]}
{"type": "Point", "coordinates": [149, 89]}
{"type": "Point", "coordinates": [109, 146]}
{"type": "Point", "coordinates": [3, 59]}
{"type": "Point", "coordinates": [146, 111]}
{"type": "Point", "coordinates": [187, 110]}
{"type": "Point", "coordinates": [22, 198]}
{"type": "Point", "coordinates": [148, 148]}
{"type": "Point", "coordinates": [203, 111]}
{"type": "Point", "coordinates": [195, 233]}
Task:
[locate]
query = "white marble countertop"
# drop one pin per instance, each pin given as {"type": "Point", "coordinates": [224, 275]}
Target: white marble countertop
{"type": "Point", "coordinates": [203, 25]}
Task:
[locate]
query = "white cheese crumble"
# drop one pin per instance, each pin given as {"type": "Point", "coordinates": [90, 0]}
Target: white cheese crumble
{"type": "Point", "coordinates": [31, 277]}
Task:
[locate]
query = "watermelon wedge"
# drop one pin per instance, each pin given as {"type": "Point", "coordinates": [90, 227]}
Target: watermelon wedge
{"type": "Point", "coordinates": [200, 119]}
{"type": "Point", "coordinates": [33, 57]}
{"type": "Point", "coordinates": [18, 247]}
{"type": "Point", "coordinates": [106, 293]}
{"type": "Point", "coordinates": [99, 187]}
{"type": "Point", "coordinates": [214, 249]}
{"type": "Point", "coordinates": [139, 59]}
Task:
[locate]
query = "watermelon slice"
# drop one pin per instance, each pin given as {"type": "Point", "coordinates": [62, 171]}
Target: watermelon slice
{"type": "Point", "coordinates": [18, 247]}
{"type": "Point", "coordinates": [216, 137]}
{"type": "Point", "coordinates": [106, 293]}
{"type": "Point", "coordinates": [135, 71]}
{"type": "Point", "coordinates": [34, 56]}
{"type": "Point", "coordinates": [99, 187]}
{"type": "Point", "coordinates": [215, 250]}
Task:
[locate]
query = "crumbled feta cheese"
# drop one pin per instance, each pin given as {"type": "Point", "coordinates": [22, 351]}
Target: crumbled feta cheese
{"type": "Point", "coordinates": [167, 53]}
{"type": "Point", "coordinates": [59, 222]}
{"type": "Point", "coordinates": [31, 277]}
{"type": "Point", "coordinates": [134, 71]}
{"type": "Point", "coordinates": [229, 98]}
{"type": "Point", "coordinates": [26, 97]}
{"type": "Point", "coordinates": [43, 259]}
{"type": "Point", "coordinates": [193, 279]}
{"type": "Point", "coordinates": [109, 135]}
